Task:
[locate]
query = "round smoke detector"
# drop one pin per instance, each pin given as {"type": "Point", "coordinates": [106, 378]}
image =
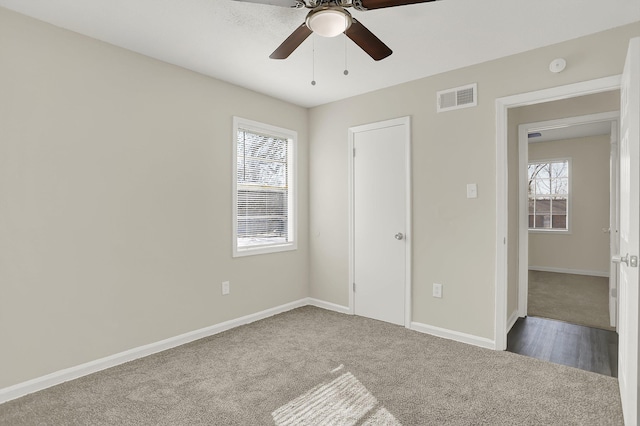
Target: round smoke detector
{"type": "Point", "coordinates": [557, 65]}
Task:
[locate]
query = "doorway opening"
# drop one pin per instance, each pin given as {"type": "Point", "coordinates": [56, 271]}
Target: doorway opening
{"type": "Point", "coordinates": [577, 100]}
{"type": "Point", "coordinates": [567, 233]}
{"type": "Point", "coordinates": [506, 301]}
{"type": "Point", "coordinates": [568, 213]}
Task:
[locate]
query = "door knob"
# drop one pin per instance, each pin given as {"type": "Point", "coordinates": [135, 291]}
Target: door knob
{"type": "Point", "coordinates": [616, 258]}
{"type": "Point", "coordinates": [627, 260]}
{"type": "Point", "coordinates": [399, 236]}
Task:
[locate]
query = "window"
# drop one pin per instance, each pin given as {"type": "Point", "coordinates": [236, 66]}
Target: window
{"type": "Point", "coordinates": [549, 195]}
{"type": "Point", "coordinates": [264, 212]}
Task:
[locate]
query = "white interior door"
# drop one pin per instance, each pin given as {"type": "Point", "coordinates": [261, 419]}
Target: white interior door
{"type": "Point", "coordinates": [629, 233]}
{"type": "Point", "coordinates": [380, 224]}
{"type": "Point", "coordinates": [614, 235]}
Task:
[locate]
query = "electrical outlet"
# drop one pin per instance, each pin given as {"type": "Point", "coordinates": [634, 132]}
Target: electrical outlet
{"type": "Point", "coordinates": [225, 288]}
{"type": "Point", "coordinates": [437, 290]}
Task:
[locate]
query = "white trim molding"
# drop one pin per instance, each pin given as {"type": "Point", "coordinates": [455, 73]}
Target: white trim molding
{"type": "Point", "coordinates": [328, 306]}
{"type": "Point", "coordinates": [502, 109]}
{"type": "Point", "coordinates": [523, 201]}
{"type": "Point", "coordinates": [570, 271]}
{"type": "Point", "coordinates": [291, 136]}
{"type": "Point", "coordinates": [61, 376]}
{"type": "Point", "coordinates": [512, 320]}
{"type": "Point", "coordinates": [67, 374]}
{"type": "Point", "coordinates": [458, 336]}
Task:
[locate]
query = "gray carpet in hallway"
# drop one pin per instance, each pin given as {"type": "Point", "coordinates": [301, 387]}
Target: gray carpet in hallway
{"type": "Point", "coordinates": [578, 299]}
{"type": "Point", "coordinates": [310, 364]}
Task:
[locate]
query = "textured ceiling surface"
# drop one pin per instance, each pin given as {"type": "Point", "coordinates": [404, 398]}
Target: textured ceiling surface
{"type": "Point", "coordinates": [232, 40]}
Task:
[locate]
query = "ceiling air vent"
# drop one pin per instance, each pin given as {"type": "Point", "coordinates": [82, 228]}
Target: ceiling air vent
{"type": "Point", "coordinates": [459, 97]}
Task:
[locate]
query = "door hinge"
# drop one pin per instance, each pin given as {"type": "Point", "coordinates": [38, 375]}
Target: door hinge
{"type": "Point", "coordinates": [354, 287]}
{"type": "Point", "coordinates": [354, 152]}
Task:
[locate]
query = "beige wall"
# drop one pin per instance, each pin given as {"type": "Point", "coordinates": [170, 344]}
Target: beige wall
{"type": "Point", "coordinates": [115, 190]}
{"type": "Point", "coordinates": [573, 107]}
{"type": "Point", "coordinates": [115, 180]}
{"type": "Point", "coordinates": [586, 247]}
{"type": "Point", "coordinates": [453, 237]}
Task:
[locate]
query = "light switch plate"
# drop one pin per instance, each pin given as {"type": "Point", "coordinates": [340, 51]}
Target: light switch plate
{"type": "Point", "coordinates": [472, 190]}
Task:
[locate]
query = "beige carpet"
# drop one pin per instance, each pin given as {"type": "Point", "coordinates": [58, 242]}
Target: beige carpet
{"type": "Point", "coordinates": [312, 367]}
{"type": "Point", "coordinates": [578, 299]}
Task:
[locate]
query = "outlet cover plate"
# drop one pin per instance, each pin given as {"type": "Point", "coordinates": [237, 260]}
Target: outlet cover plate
{"type": "Point", "coordinates": [437, 290]}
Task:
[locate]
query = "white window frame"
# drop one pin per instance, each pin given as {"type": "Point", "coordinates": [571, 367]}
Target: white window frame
{"type": "Point", "coordinates": [566, 231]}
{"type": "Point", "coordinates": [292, 214]}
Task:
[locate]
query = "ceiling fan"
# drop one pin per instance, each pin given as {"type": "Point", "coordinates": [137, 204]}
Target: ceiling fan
{"type": "Point", "coordinates": [329, 18]}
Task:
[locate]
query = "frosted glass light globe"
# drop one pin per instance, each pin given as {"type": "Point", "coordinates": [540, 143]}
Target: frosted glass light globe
{"type": "Point", "coordinates": [329, 22]}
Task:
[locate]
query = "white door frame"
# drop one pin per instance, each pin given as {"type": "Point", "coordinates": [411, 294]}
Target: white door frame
{"type": "Point", "coordinates": [614, 221]}
{"type": "Point", "coordinates": [523, 217]}
{"type": "Point", "coordinates": [402, 121]}
{"type": "Point", "coordinates": [604, 84]}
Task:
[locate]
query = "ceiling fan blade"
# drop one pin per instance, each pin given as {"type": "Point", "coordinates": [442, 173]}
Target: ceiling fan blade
{"type": "Point", "coordinates": [379, 4]}
{"type": "Point", "coordinates": [283, 3]}
{"type": "Point", "coordinates": [368, 41]}
{"type": "Point", "coordinates": [291, 43]}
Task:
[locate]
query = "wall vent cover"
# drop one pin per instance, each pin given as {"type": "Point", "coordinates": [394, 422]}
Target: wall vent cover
{"type": "Point", "coordinates": [456, 98]}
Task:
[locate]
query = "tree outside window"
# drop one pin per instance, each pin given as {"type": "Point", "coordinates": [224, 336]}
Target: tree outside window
{"type": "Point", "coordinates": [549, 195]}
{"type": "Point", "coordinates": [264, 204]}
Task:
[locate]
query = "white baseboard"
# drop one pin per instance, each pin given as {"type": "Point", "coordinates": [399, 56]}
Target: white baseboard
{"type": "Point", "coordinates": [328, 306]}
{"type": "Point", "coordinates": [61, 376]}
{"type": "Point", "coordinates": [570, 271]}
{"type": "Point", "coordinates": [454, 335]}
{"type": "Point", "coordinates": [512, 320]}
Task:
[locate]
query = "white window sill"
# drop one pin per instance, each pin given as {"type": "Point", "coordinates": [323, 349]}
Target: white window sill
{"type": "Point", "coordinates": [550, 231]}
{"type": "Point", "coordinates": [251, 251]}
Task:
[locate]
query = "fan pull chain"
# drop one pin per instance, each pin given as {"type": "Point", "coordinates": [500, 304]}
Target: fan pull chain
{"type": "Point", "coordinates": [313, 60]}
{"type": "Point", "coordinates": [346, 70]}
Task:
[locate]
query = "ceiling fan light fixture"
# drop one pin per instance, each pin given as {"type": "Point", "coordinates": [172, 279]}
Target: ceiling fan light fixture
{"type": "Point", "coordinates": [329, 22]}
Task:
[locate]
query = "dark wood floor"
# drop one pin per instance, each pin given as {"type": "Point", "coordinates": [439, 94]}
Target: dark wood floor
{"type": "Point", "coordinates": [587, 348]}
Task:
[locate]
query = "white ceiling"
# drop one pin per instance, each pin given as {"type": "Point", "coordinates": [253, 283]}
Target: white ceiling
{"type": "Point", "coordinates": [232, 40]}
{"type": "Point", "coordinates": [572, 132]}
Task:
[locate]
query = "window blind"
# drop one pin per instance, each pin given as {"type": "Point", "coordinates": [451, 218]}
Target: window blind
{"type": "Point", "coordinates": [262, 189]}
